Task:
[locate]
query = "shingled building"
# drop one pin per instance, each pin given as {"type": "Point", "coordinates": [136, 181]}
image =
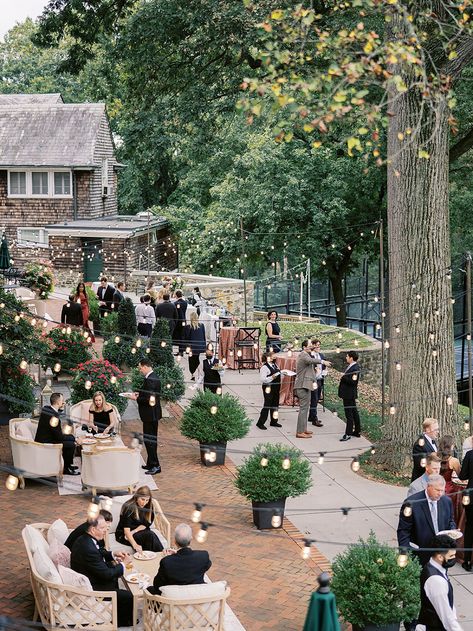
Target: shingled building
{"type": "Point", "coordinates": [58, 191]}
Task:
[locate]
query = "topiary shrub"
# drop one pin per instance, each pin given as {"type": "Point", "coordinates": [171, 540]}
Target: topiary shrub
{"type": "Point", "coordinates": [101, 375]}
{"type": "Point", "coordinates": [18, 389]}
{"type": "Point", "coordinates": [123, 352]}
{"type": "Point", "coordinates": [273, 482]}
{"type": "Point", "coordinates": [126, 320]}
{"type": "Point", "coordinates": [109, 325]}
{"type": "Point", "coordinates": [68, 348]}
{"type": "Point", "coordinates": [161, 344]}
{"type": "Point", "coordinates": [173, 386]}
{"type": "Point", "coordinates": [94, 314]}
{"type": "Point", "coordinates": [211, 418]}
{"type": "Point", "coordinates": [371, 588]}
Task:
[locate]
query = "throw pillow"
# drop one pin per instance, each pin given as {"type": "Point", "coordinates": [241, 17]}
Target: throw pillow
{"type": "Point", "coordinates": [58, 530]}
{"type": "Point", "coordinates": [59, 554]}
{"type": "Point", "coordinates": [23, 431]}
{"type": "Point", "coordinates": [45, 567]}
{"type": "Point", "coordinates": [74, 579]}
{"type": "Point", "coordinates": [35, 539]}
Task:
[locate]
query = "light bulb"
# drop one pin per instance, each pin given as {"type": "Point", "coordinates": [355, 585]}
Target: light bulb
{"type": "Point", "coordinates": [57, 367]}
{"type": "Point", "coordinates": [386, 344]}
{"type": "Point", "coordinates": [54, 421]}
{"type": "Point", "coordinates": [178, 357]}
{"type": "Point", "coordinates": [163, 344]}
{"type": "Point", "coordinates": [449, 400]}
{"type": "Point", "coordinates": [138, 343]}
{"type": "Point", "coordinates": [93, 511]}
{"type": "Point", "coordinates": [224, 361]}
{"type": "Point", "coordinates": [276, 520]}
{"type": "Point", "coordinates": [68, 428]}
{"type": "Point", "coordinates": [213, 409]}
{"type": "Point", "coordinates": [201, 536]}
{"type": "Point", "coordinates": [188, 349]}
{"type": "Point", "coordinates": [354, 377]}
{"type": "Point", "coordinates": [466, 426]}
{"type": "Point", "coordinates": [1, 349]}
{"type": "Point", "coordinates": [407, 510]}
{"type": "Point", "coordinates": [23, 364]}
{"type": "Point", "coordinates": [255, 346]}
{"type": "Point", "coordinates": [398, 365]}
{"type": "Point", "coordinates": [45, 324]}
{"type": "Point", "coordinates": [117, 339]}
{"type": "Point", "coordinates": [392, 410]}
{"type": "Point", "coordinates": [63, 330]}
{"type": "Point", "coordinates": [421, 441]}
{"type": "Point", "coordinates": [264, 460]}
{"type": "Point", "coordinates": [321, 457]}
{"type": "Point", "coordinates": [152, 400]}
{"type": "Point", "coordinates": [466, 498]}
{"type": "Point", "coordinates": [452, 300]}
{"type": "Point", "coordinates": [68, 330]}
{"type": "Point", "coordinates": [468, 337]}
{"type": "Point", "coordinates": [239, 353]}
{"type": "Point", "coordinates": [423, 462]}
{"type": "Point", "coordinates": [133, 351]}
{"type": "Point", "coordinates": [402, 559]}
{"type": "Point", "coordinates": [107, 503]}
{"type": "Point", "coordinates": [434, 352]}
{"type": "Point", "coordinates": [197, 513]}
{"type": "Point", "coordinates": [286, 463]}
{"type": "Point", "coordinates": [88, 384]}
{"type": "Point", "coordinates": [212, 455]}
{"type": "Point", "coordinates": [168, 386]}
{"type": "Point", "coordinates": [355, 465]}
{"type": "Point", "coordinates": [275, 414]}
{"type": "Point", "coordinates": [135, 443]}
{"type": "Point", "coordinates": [17, 318]}
{"type": "Point", "coordinates": [373, 450]}
{"type": "Point", "coordinates": [11, 482]}
{"type": "Point", "coordinates": [397, 328]}
{"type": "Point", "coordinates": [289, 353]}
{"type": "Point", "coordinates": [33, 322]}
{"type": "Point", "coordinates": [113, 379]}
{"type": "Point", "coordinates": [218, 390]}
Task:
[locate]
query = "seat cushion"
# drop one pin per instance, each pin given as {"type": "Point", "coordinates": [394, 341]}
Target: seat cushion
{"type": "Point", "coordinates": [188, 592]}
{"type": "Point", "coordinates": [58, 530]}
{"type": "Point", "coordinates": [45, 567]}
{"type": "Point", "coordinates": [74, 579]}
{"type": "Point", "coordinates": [24, 431]}
{"type": "Point", "coordinates": [59, 554]}
{"type": "Point", "coordinates": [35, 540]}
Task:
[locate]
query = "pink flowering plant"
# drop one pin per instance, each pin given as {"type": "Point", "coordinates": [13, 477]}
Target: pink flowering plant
{"type": "Point", "coordinates": [68, 347]}
{"type": "Point", "coordinates": [99, 374]}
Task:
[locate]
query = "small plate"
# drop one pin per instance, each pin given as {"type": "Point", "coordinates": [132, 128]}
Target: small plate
{"type": "Point", "coordinates": [126, 395]}
{"type": "Point", "coordinates": [103, 437]}
{"type": "Point", "coordinates": [145, 555]}
{"type": "Point", "coordinates": [138, 577]}
{"type": "Point", "coordinates": [89, 441]}
{"type": "Point", "coordinates": [453, 534]}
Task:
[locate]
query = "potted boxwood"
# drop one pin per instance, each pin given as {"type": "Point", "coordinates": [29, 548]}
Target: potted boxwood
{"type": "Point", "coordinates": [172, 384]}
{"type": "Point", "coordinates": [213, 420]}
{"type": "Point", "coordinates": [266, 479]}
{"type": "Point", "coordinates": [372, 591]}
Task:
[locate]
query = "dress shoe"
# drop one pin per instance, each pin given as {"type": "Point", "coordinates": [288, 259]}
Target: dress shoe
{"type": "Point", "coordinates": [275, 424]}
{"type": "Point", "coordinates": [145, 467]}
{"type": "Point", "coordinates": [73, 466]}
{"type": "Point", "coordinates": [344, 438]}
{"type": "Point", "coordinates": [317, 424]}
{"type": "Point", "coordinates": [307, 431]}
{"type": "Point", "coordinates": [71, 472]}
{"type": "Point", "coordinates": [302, 435]}
{"type": "Point", "coordinates": [153, 471]}
{"type": "Point", "coordinates": [261, 426]}
{"type": "Point", "coordinates": [466, 565]}
{"type": "Point", "coordinates": [357, 435]}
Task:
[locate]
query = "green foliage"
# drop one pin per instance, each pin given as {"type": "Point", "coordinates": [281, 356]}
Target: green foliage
{"type": "Point", "coordinates": [100, 373]}
{"type": "Point", "coordinates": [161, 355]}
{"type": "Point", "coordinates": [173, 386]}
{"type": "Point", "coordinates": [69, 349]}
{"type": "Point", "coordinates": [228, 423]}
{"type": "Point", "coordinates": [18, 384]}
{"type": "Point", "coordinates": [371, 588]}
{"type": "Point", "coordinates": [94, 313]}
{"type": "Point", "coordinates": [109, 325]}
{"type": "Point", "coordinates": [39, 278]}
{"type": "Point", "coordinates": [126, 322]}
{"type": "Point", "coordinates": [272, 482]}
{"type": "Point", "coordinates": [121, 353]}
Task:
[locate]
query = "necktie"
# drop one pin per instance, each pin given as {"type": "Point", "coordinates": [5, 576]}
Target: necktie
{"type": "Point", "coordinates": [433, 512]}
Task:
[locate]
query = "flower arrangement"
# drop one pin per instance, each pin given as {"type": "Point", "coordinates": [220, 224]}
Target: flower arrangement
{"type": "Point", "coordinates": [69, 348]}
{"type": "Point", "coordinates": [176, 283]}
{"type": "Point", "coordinates": [39, 278]}
{"type": "Point", "coordinates": [98, 374]}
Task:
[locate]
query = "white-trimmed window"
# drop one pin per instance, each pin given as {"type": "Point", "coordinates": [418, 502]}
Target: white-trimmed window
{"type": "Point", "coordinates": [33, 237]}
{"type": "Point", "coordinates": [40, 183]}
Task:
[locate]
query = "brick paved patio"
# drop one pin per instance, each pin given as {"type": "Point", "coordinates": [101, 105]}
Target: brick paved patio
{"type": "Point", "coordinates": [270, 582]}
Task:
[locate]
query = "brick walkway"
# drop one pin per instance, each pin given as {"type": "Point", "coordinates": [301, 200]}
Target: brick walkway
{"type": "Point", "coordinates": [270, 582]}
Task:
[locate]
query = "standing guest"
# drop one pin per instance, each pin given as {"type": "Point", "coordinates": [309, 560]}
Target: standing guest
{"type": "Point", "coordinates": [105, 295]}
{"type": "Point", "coordinates": [181, 306]}
{"type": "Point", "coordinates": [467, 445]}
{"type": "Point", "coordinates": [270, 377]}
{"type": "Point", "coordinates": [81, 297]}
{"type": "Point", "coordinates": [273, 333]}
{"type": "Point", "coordinates": [432, 467]}
{"type": "Point", "coordinates": [195, 340]}
{"type": "Point", "coordinates": [425, 445]}
{"type": "Point", "coordinates": [82, 529]}
{"type": "Point", "coordinates": [165, 289]}
{"type": "Point", "coordinates": [466, 473]}
{"type": "Point", "coordinates": [316, 394]}
{"type": "Point", "coordinates": [152, 291]}
{"type": "Point", "coordinates": [118, 295]}
{"type": "Point", "coordinates": [304, 383]}
{"type": "Point", "coordinates": [72, 312]}
{"type": "Point", "coordinates": [197, 300]}
{"type": "Point", "coordinates": [97, 563]}
{"type": "Point", "coordinates": [149, 408]}
{"type": "Point", "coordinates": [145, 316]}
{"type": "Point", "coordinates": [449, 463]}
{"type": "Point", "coordinates": [167, 309]}
{"type": "Point", "coordinates": [437, 611]}
{"type": "Point", "coordinates": [212, 379]}
{"type": "Point", "coordinates": [49, 431]}
{"type": "Point", "coordinates": [348, 392]}
{"type": "Point", "coordinates": [136, 518]}
{"type": "Point", "coordinates": [184, 566]}
{"type": "Point", "coordinates": [102, 417]}
{"type": "Point", "coordinates": [430, 512]}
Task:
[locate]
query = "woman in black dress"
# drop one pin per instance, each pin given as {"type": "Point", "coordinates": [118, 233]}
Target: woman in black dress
{"type": "Point", "coordinates": [102, 417]}
{"type": "Point", "coordinates": [273, 333]}
{"type": "Point", "coordinates": [136, 519]}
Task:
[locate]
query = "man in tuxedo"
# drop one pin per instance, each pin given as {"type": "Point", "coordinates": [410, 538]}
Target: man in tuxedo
{"type": "Point", "coordinates": [83, 528]}
{"type": "Point", "coordinates": [428, 512]}
{"type": "Point", "coordinates": [424, 446]}
{"type": "Point", "coordinates": [149, 407]}
{"type": "Point", "coordinates": [98, 564]}
{"type": "Point", "coordinates": [183, 567]}
{"type": "Point", "coordinates": [178, 334]}
{"type": "Point", "coordinates": [72, 312]}
{"type": "Point", "coordinates": [167, 309]}
{"type": "Point", "coordinates": [316, 394]}
{"type": "Point", "coordinates": [105, 295]}
{"type": "Point", "coordinates": [212, 379]}
{"type": "Point", "coordinates": [118, 295]}
{"type": "Point", "coordinates": [49, 431]}
{"type": "Point", "coordinates": [348, 392]}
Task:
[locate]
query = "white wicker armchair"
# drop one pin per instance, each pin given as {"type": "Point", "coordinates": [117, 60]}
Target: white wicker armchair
{"type": "Point", "coordinates": [161, 525]}
{"type": "Point", "coordinates": [66, 607]}
{"type": "Point", "coordinates": [111, 468]}
{"type": "Point", "coordinates": [79, 415]}
{"type": "Point", "coordinates": [32, 459]}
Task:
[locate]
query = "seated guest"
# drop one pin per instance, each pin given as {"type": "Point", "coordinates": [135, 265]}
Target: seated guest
{"type": "Point", "coordinates": [102, 417]}
{"type": "Point", "coordinates": [212, 379]}
{"type": "Point", "coordinates": [432, 467]}
{"type": "Point", "coordinates": [183, 567]}
{"type": "Point", "coordinates": [82, 529]}
{"type": "Point", "coordinates": [72, 312]}
{"type": "Point", "coordinates": [98, 564]}
{"type": "Point", "coordinates": [136, 519]}
{"type": "Point", "coordinates": [425, 445]}
{"type": "Point", "coordinates": [50, 431]}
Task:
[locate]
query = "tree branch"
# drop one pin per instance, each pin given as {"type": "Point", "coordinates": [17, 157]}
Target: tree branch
{"type": "Point", "coordinates": [461, 147]}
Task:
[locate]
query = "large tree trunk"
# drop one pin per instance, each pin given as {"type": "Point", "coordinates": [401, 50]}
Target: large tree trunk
{"type": "Point", "coordinates": [419, 259]}
{"type": "Point", "coordinates": [336, 281]}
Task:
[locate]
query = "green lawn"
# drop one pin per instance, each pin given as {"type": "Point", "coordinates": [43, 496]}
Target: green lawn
{"type": "Point", "coordinates": [330, 336]}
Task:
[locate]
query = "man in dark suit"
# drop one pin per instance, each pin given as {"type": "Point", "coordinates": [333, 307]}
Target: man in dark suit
{"type": "Point", "coordinates": [178, 334]}
{"type": "Point", "coordinates": [72, 312]}
{"type": "Point", "coordinates": [184, 567]}
{"type": "Point", "coordinates": [98, 564]}
{"type": "Point", "coordinates": [118, 295]}
{"type": "Point", "coordinates": [212, 379]}
{"type": "Point", "coordinates": [167, 309]}
{"type": "Point", "coordinates": [83, 528]}
{"type": "Point", "coordinates": [316, 394]}
{"type": "Point", "coordinates": [149, 407]}
{"type": "Point", "coordinates": [428, 512]}
{"type": "Point", "coordinates": [105, 295]}
{"type": "Point", "coordinates": [348, 392]}
{"type": "Point", "coordinates": [49, 431]}
{"type": "Point", "coordinates": [466, 473]}
{"type": "Point", "coordinates": [424, 446]}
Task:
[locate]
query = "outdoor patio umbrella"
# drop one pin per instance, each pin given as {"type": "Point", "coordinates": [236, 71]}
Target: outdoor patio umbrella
{"type": "Point", "coordinates": [4, 254]}
{"type": "Point", "coordinates": [322, 613]}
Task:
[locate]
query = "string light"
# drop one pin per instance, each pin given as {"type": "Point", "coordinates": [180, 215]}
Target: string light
{"type": "Point", "coordinates": [421, 441]}
{"type": "Point", "coordinates": [68, 428]}
{"type": "Point", "coordinates": [12, 482]}
{"type": "Point", "coordinates": [355, 465]}
{"type": "Point", "coordinates": [407, 510]}
{"type": "Point", "coordinates": [386, 344]}
{"type": "Point", "coordinates": [423, 462]}
{"type": "Point", "coordinates": [217, 391]}
{"type": "Point", "coordinates": [466, 498]}
{"type": "Point", "coordinates": [57, 367]}
{"type": "Point", "coordinates": [449, 399]}
{"type": "Point", "coordinates": [286, 463]}
{"type": "Point", "coordinates": [33, 322]}
{"type": "Point", "coordinates": [197, 513]}
{"type": "Point", "coordinates": [88, 384]}
{"type": "Point", "coordinates": [213, 409]}
{"type": "Point", "coordinates": [133, 350]}
{"type": "Point", "coordinates": [434, 352]}
{"type": "Point", "coordinates": [93, 510]}
{"type": "Point", "coordinates": [398, 365]}
{"type": "Point", "coordinates": [275, 414]}
{"type": "Point", "coordinates": [201, 536]}
{"type": "Point", "coordinates": [267, 389]}
{"type": "Point", "coordinates": [138, 343]}
{"type": "Point", "coordinates": [54, 421]}
{"type": "Point", "coordinates": [23, 364]}
{"type": "Point", "coordinates": [163, 344]}
{"type": "Point", "coordinates": [117, 339]}
{"type": "Point", "coordinates": [152, 400]}
{"type": "Point", "coordinates": [306, 549]}
{"type": "Point", "coordinates": [113, 379]}
{"type": "Point", "coordinates": [1, 349]}
{"type": "Point", "coordinates": [264, 460]}
{"type": "Point", "coordinates": [276, 520]}
{"type": "Point", "coordinates": [392, 410]}
{"type": "Point", "coordinates": [402, 558]}
{"type": "Point", "coordinates": [397, 328]}
{"type": "Point", "coordinates": [466, 425]}
{"type": "Point", "coordinates": [373, 450]}
{"type": "Point", "coordinates": [321, 457]}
